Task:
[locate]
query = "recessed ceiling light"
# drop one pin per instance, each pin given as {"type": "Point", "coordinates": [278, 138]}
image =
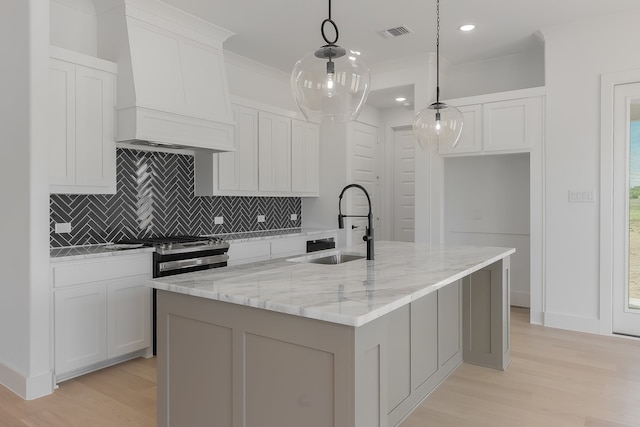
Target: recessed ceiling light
{"type": "Point", "coordinates": [400, 99]}
{"type": "Point", "coordinates": [467, 27]}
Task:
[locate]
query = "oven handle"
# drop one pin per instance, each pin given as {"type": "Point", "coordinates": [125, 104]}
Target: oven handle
{"type": "Point", "coordinates": [192, 262]}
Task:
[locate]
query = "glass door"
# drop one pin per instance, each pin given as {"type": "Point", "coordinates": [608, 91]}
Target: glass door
{"type": "Point", "coordinates": [626, 285]}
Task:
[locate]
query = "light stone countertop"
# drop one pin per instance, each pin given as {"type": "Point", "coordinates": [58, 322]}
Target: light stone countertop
{"type": "Point", "coordinates": [352, 293]}
{"type": "Point", "coordinates": [272, 234]}
{"type": "Point", "coordinates": [71, 253]}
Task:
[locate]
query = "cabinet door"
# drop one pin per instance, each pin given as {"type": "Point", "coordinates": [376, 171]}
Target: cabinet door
{"type": "Point", "coordinates": [512, 125]}
{"type": "Point", "coordinates": [471, 137]}
{"type": "Point", "coordinates": [62, 122]}
{"type": "Point", "coordinates": [239, 170]}
{"type": "Point", "coordinates": [128, 316]}
{"type": "Point", "coordinates": [304, 157]}
{"type": "Point", "coordinates": [80, 327]}
{"type": "Point", "coordinates": [274, 148]}
{"type": "Point", "coordinates": [95, 131]}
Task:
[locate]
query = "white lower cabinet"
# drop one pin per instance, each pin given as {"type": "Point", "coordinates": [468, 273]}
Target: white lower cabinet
{"type": "Point", "coordinates": [272, 248]}
{"type": "Point", "coordinates": [128, 316]}
{"type": "Point", "coordinates": [102, 312]}
{"type": "Point", "coordinates": [80, 327]}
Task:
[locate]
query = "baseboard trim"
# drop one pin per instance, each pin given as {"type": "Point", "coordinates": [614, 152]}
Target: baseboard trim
{"type": "Point", "coordinates": [28, 388]}
{"type": "Point", "coordinates": [520, 299]}
{"type": "Point", "coordinates": [572, 323]}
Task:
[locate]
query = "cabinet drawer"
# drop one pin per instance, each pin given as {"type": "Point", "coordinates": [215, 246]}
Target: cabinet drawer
{"type": "Point", "coordinates": [288, 246]}
{"type": "Point", "coordinates": [240, 253]}
{"type": "Point", "coordinates": [100, 269]}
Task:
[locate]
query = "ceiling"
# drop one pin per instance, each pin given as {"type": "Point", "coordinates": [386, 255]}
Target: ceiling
{"type": "Point", "coordinates": [279, 32]}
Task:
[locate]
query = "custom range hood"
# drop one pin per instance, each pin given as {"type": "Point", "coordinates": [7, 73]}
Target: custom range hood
{"type": "Point", "coordinates": [172, 85]}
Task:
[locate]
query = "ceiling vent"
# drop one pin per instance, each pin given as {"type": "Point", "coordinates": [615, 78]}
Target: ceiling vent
{"type": "Point", "coordinates": [395, 32]}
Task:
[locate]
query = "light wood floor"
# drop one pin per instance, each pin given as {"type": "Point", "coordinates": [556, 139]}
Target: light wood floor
{"type": "Point", "coordinates": [557, 378]}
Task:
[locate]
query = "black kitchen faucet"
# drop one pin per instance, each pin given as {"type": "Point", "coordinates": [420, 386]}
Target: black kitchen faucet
{"type": "Point", "coordinates": [368, 236]}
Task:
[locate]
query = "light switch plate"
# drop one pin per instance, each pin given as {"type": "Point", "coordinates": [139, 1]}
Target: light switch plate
{"type": "Point", "coordinates": [63, 227]}
{"type": "Point", "coordinates": [261, 218]}
{"type": "Point", "coordinates": [294, 217]}
{"type": "Point", "coordinates": [218, 220]}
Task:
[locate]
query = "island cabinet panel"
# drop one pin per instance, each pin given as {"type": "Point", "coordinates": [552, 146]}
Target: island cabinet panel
{"type": "Point", "coordinates": [485, 320]}
{"type": "Point", "coordinates": [244, 366]}
{"type": "Point", "coordinates": [272, 364]}
{"type": "Point", "coordinates": [201, 354]}
{"type": "Point", "coordinates": [248, 366]}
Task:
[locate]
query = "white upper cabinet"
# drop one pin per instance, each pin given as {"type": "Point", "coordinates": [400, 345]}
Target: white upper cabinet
{"type": "Point", "coordinates": [471, 137]}
{"type": "Point", "coordinates": [275, 154]}
{"type": "Point", "coordinates": [512, 125]}
{"type": "Point", "coordinates": [238, 171]}
{"type": "Point", "coordinates": [507, 122]}
{"type": "Point", "coordinates": [274, 148]}
{"type": "Point", "coordinates": [305, 158]}
{"type": "Point", "coordinates": [82, 150]}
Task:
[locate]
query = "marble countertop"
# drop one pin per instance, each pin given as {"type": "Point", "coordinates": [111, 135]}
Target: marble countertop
{"type": "Point", "coordinates": [70, 253]}
{"type": "Point", "coordinates": [272, 234]}
{"type": "Point", "coordinates": [352, 293]}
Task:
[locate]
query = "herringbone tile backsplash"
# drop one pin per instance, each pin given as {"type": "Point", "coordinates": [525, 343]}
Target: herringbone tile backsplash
{"type": "Point", "coordinates": [155, 198]}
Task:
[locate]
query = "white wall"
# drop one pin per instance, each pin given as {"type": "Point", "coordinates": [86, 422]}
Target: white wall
{"type": "Point", "coordinates": [519, 71]}
{"type": "Point", "coordinates": [74, 26]}
{"type": "Point", "coordinates": [24, 291]}
{"type": "Point", "coordinates": [575, 57]}
{"type": "Point", "coordinates": [486, 203]}
{"type": "Point", "coordinates": [252, 80]}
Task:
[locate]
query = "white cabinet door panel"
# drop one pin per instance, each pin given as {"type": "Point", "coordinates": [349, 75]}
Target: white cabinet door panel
{"type": "Point", "coordinates": [80, 327]}
{"type": "Point", "coordinates": [95, 143]}
{"type": "Point", "coordinates": [62, 122]}
{"type": "Point", "coordinates": [470, 140]}
{"type": "Point", "coordinates": [512, 125]}
{"type": "Point", "coordinates": [239, 170]}
{"type": "Point", "coordinates": [274, 150]}
{"type": "Point", "coordinates": [304, 157]}
{"type": "Point", "coordinates": [128, 316]}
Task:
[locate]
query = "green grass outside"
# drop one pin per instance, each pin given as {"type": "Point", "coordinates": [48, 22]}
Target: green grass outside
{"type": "Point", "coordinates": [634, 248]}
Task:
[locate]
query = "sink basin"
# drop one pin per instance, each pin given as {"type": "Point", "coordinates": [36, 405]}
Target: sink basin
{"type": "Point", "coordinates": [333, 259]}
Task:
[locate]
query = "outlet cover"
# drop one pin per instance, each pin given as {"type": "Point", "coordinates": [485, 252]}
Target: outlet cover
{"type": "Point", "coordinates": [294, 217]}
{"type": "Point", "coordinates": [218, 220]}
{"type": "Point", "coordinates": [63, 227]}
{"type": "Point", "coordinates": [582, 196]}
{"type": "Point", "coordinates": [261, 218]}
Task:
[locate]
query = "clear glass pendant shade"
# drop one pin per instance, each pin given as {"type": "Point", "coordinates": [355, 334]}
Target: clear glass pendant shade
{"type": "Point", "coordinates": [438, 124]}
{"type": "Point", "coordinates": [328, 87]}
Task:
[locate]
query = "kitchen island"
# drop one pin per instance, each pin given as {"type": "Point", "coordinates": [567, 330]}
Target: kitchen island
{"type": "Point", "coordinates": [291, 343]}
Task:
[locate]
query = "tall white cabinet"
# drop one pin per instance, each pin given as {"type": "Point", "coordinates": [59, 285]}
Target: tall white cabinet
{"type": "Point", "coordinates": [82, 150]}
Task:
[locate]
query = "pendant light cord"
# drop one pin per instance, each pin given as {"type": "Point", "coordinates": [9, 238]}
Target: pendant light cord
{"type": "Point", "coordinates": [335, 28]}
{"type": "Point", "coordinates": [437, 49]}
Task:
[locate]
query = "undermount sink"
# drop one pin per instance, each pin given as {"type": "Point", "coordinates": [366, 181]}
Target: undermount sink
{"type": "Point", "coordinates": [333, 259]}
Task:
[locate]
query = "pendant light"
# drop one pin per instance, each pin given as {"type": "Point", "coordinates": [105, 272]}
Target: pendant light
{"type": "Point", "coordinates": [328, 84]}
{"type": "Point", "coordinates": [439, 123]}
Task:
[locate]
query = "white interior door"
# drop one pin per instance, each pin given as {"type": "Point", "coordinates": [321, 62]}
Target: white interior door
{"type": "Point", "coordinates": [364, 140]}
{"type": "Point", "coordinates": [403, 185]}
{"type": "Point", "coordinates": [626, 210]}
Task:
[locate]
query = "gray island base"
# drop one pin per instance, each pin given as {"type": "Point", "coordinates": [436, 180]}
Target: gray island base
{"type": "Point", "coordinates": [291, 344]}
